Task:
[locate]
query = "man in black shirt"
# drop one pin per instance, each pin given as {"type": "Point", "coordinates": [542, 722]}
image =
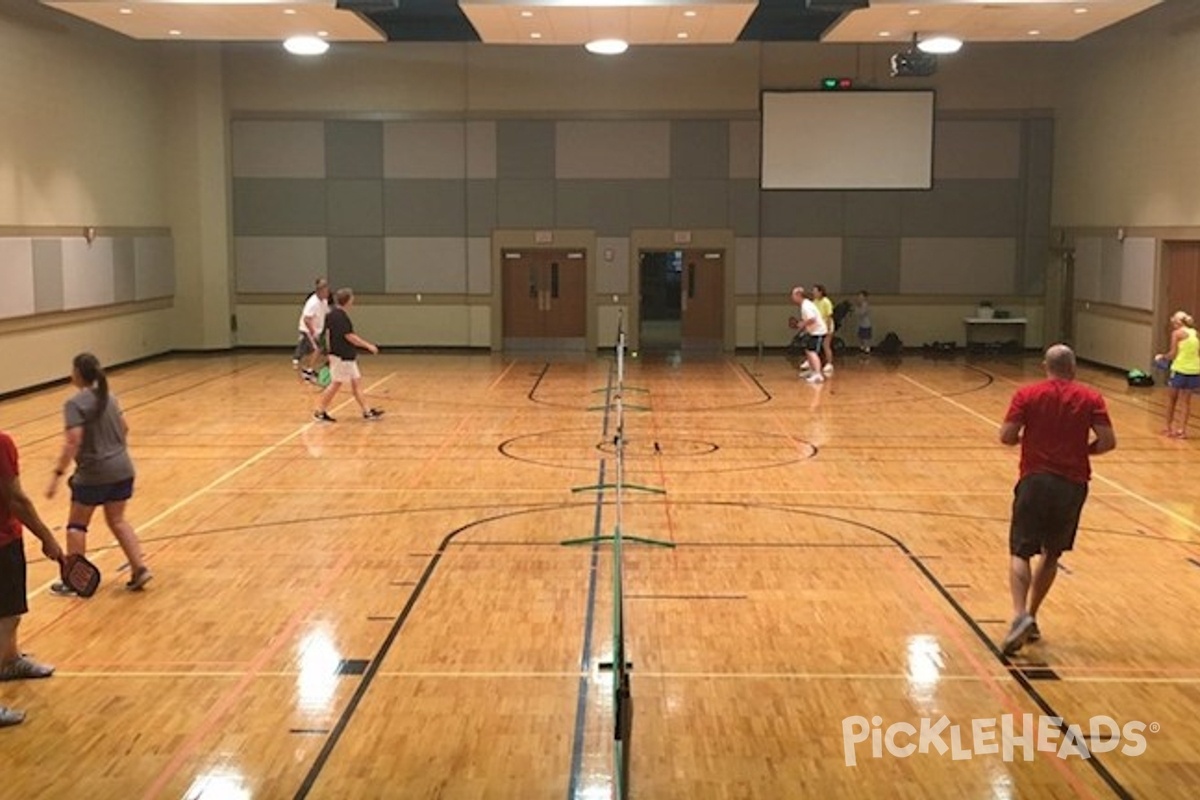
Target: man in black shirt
{"type": "Point", "coordinates": [344, 344]}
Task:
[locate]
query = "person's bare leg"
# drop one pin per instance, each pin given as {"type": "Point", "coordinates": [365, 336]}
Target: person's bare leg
{"type": "Point", "coordinates": [1043, 578]}
{"type": "Point", "coordinates": [78, 520]}
{"type": "Point", "coordinates": [9, 651]}
{"type": "Point", "coordinates": [1019, 580]}
{"type": "Point", "coordinates": [122, 531]}
{"type": "Point", "coordinates": [1186, 403]}
{"type": "Point", "coordinates": [1172, 397]}
{"type": "Point", "coordinates": [327, 396]}
{"type": "Point", "coordinates": [814, 361]}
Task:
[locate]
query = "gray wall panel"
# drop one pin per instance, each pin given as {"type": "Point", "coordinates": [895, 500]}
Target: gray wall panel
{"type": "Point", "coordinates": [797, 214]}
{"type": "Point", "coordinates": [353, 149]}
{"type": "Point", "coordinates": [745, 279]}
{"type": "Point", "coordinates": [871, 263]}
{"type": "Point", "coordinates": [745, 145]}
{"type": "Point", "coordinates": [425, 150]}
{"type": "Point", "coordinates": [479, 265]}
{"type": "Point", "coordinates": [873, 213]}
{"type": "Point", "coordinates": [47, 275]}
{"type": "Point", "coordinates": [612, 265]}
{"type": "Point", "coordinates": [278, 207]}
{"type": "Point", "coordinates": [786, 262]}
{"type": "Point", "coordinates": [424, 208]}
{"type": "Point", "coordinates": [700, 203]}
{"type": "Point", "coordinates": [613, 150]}
{"type": "Point", "coordinates": [481, 149]}
{"type": "Point", "coordinates": [963, 209]}
{"type": "Point", "coordinates": [699, 149]}
{"type": "Point", "coordinates": [355, 207]}
{"type": "Point", "coordinates": [744, 198]}
{"type": "Point", "coordinates": [524, 149]}
{"type": "Point", "coordinates": [154, 267]}
{"type": "Point", "coordinates": [524, 203]}
{"type": "Point", "coordinates": [124, 279]}
{"type": "Point", "coordinates": [427, 265]}
{"type": "Point", "coordinates": [277, 149]}
{"type": "Point", "coordinates": [279, 265]}
{"type": "Point", "coordinates": [481, 207]}
{"type": "Point", "coordinates": [977, 149]}
{"type": "Point", "coordinates": [1039, 150]}
{"type": "Point", "coordinates": [357, 262]}
{"type": "Point", "coordinates": [982, 268]}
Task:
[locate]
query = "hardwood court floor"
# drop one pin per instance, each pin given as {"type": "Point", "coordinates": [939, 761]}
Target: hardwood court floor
{"type": "Point", "coordinates": [384, 610]}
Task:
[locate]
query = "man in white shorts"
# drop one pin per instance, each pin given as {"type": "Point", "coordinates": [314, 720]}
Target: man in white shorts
{"type": "Point", "coordinates": [344, 344]}
{"type": "Point", "coordinates": [811, 322]}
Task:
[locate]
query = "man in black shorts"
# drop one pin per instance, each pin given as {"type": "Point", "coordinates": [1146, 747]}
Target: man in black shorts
{"type": "Point", "coordinates": [1053, 421]}
{"type": "Point", "coordinates": [16, 510]}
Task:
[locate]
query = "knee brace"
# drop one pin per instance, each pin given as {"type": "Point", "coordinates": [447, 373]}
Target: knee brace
{"type": "Point", "coordinates": [75, 526]}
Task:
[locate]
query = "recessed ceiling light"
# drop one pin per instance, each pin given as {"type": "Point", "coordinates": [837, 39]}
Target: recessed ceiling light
{"type": "Point", "coordinates": [607, 47]}
{"type": "Point", "coordinates": [1081, 10]}
{"type": "Point", "coordinates": [526, 14]}
{"type": "Point", "coordinates": [306, 46]}
{"type": "Point", "coordinates": [322, 33]}
{"type": "Point", "coordinates": [681, 35]}
{"type": "Point", "coordinates": [689, 13]}
{"type": "Point", "coordinates": [1035, 32]}
{"type": "Point", "coordinates": [914, 12]}
{"type": "Point", "coordinates": [174, 32]}
{"type": "Point", "coordinates": [940, 44]}
{"type": "Point", "coordinates": [885, 34]}
{"type": "Point", "coordinates": [126, 11]}
{"type": "Point", "coordinates": [289, 11]}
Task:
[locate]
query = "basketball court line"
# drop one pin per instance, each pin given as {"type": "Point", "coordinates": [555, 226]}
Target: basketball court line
{"type": "Point", "coordinates": [1096, 475]}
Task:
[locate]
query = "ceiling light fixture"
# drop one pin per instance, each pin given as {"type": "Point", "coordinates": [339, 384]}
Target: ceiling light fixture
{"type": "Point", "coordinates": [940, 45]}
{"type": "Point", "coordinates": [607, 47]}
{"type": "Point", "coordinates": [306, 46]}
{"type": "Point", "coordinates": [681, 35]}
{"type": "Point", "coordinates": [126, 11]}
{"type": "Point", "coordinates": [526, 14]}
{"type": "Point", "coordinates": [689, 13]}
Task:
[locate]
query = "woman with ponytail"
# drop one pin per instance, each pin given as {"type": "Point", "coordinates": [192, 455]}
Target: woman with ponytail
{"type": "Point", "coordinates": [95, 442]}
{"type": "Point", "coordinates": [1184, 358]}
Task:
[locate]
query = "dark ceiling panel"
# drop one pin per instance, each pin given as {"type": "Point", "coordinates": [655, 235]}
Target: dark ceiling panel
{"type": "Point", "coordinates": [444, 21]}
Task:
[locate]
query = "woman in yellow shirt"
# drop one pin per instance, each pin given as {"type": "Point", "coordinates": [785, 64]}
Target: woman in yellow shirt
{"type": "Point", "coordinates": [1184, 356]}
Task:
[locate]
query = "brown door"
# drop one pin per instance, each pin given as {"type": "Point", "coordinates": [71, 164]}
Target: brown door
{"type": "Point", "coordinates": [545, 298]}
{"type": "Point", "coordinates": [703, 298]}
{"type": "Point", "coordinates": [1183, 283]}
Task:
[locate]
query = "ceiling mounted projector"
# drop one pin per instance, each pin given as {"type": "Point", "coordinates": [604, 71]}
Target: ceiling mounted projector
{"type": "Point", "coordinates": [913, 64]}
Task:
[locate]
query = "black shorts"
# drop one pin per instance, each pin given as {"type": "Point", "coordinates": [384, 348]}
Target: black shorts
{"type": "Point", "coordinates": [101, 494]}
{"type": "Point", "coordinates": [1045, 514]}
{"type": "Point", "coordinates": [12, 579]}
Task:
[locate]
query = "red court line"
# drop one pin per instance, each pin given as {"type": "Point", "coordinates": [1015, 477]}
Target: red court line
{"type": "Point", "coordinates": [949, 628]}
{"type": "Point", "coordinates": [217, 714]}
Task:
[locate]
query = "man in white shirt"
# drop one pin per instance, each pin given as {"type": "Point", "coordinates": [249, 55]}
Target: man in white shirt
{"type": "Point", "coordinates": [312, 329]}
{"type": "Point", "coordinates": [813, 324]}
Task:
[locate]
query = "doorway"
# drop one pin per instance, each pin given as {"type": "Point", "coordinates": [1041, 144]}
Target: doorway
{"type": "Point", "coordinates": [682, 299]}
{"type": "Point", "coordinates": [544, 303]}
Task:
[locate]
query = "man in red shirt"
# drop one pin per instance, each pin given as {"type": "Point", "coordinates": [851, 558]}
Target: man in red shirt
{"type": "Point", "coordinates": [1053, 421]}
{"type": "Point", "coordinates": [16, 510]}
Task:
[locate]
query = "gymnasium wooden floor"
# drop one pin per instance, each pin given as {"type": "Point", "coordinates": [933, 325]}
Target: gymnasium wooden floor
{"type": "Point", "coordinates": [384, 610]}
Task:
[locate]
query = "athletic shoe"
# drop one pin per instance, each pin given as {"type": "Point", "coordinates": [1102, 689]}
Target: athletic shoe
{"type": "Point", "coordinates": [308, 375]}
{"type": "Point", "coordinates": [139, 579]}
{"type": "Point", "coordinates": [373, 413]}
{"type": "Point", "coordinates": [1018, 635]}
{"type": "Point", "coordinates": [816, 377]}
{"type": "Point", "coordinates": [1034, 634]}
{"type": "Point", "coordinates": [827, 369]}
{"type": "Point", "coordinates": [323, 416]}
{"type": "Point", "coordinates": [62, 590]}
{"type": "Point", "coordinates": [295, 363]}
{"type": "Point", "coordinates": [24, 668]}
{"type": "Point", "coordinates": [10, 716]}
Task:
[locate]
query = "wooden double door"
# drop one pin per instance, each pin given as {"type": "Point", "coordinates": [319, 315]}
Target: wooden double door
{"type": "Point", "coordinates": [682, 299]}
{"type": "Point", "coordinates": [544, 298]}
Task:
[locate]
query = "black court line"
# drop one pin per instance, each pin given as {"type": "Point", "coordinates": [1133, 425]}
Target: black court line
{"type": "Point", "coordinates": [1065, 569]}
{"type": "Point", "coordinates": [958, 586]}
{"type": "Point", "coordinates": [312, 731]}
{"type": "Point", "coordinates": [380, 617]}
{"type": "Point", "coordinates": [1194, 562]}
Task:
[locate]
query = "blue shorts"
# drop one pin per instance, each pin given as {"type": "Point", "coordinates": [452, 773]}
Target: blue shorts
{"type": "Point", "coordinates": [101, 494]}
{"type": "Point", "coordinates": [1180, 380]}
{"type": "Point", "coordinates": [813, 343]}
{"type": "Point", "coordinates": [864, 334]}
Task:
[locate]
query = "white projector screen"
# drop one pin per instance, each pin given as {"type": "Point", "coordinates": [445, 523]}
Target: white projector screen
{"type": "Point", "coordinates": [847, 140]}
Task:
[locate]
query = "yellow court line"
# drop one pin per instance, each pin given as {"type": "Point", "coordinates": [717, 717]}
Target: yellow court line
{"type": "Point", "coordinates": [1115, 485]}
{"type": "Point", "coordinates": [249, 462]}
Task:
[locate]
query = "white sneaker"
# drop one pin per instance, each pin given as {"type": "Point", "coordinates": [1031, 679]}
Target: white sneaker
{"type": "Point", "coordinates": [827, 369]}
{"type": "Point", "coordinates": [816, 377]}
{"type": "Point", "coordinates": [1018, 635]}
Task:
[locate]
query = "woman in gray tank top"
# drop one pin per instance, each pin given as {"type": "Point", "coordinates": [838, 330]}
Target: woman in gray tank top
{"type": "Point", "coordinates": [95, 441]}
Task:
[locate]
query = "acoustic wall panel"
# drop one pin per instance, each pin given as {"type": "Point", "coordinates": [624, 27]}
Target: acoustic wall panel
{"type": "Point", "coordinates": [153, 267]}
{"type": "Point", "coordinates": [613, 150]}
{"type": "Point", "coordinates": [426, 265]}
{"type": "Point", "coordinates": [47, 275]}
{"type": "Point", "coordinates": [279, 265]}
{"type": "Point", "coordinates": [16, 276]}
{"type": "Point", "coordinates": [431, 150]}
{"type": "Point", "coordinates": [980, 268]}
{"type": "Point", "coordinates": [88, 273]}
{"type": "Point", "coordinates": [278, 149]}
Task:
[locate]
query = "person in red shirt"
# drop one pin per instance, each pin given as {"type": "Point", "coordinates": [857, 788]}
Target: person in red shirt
{"type": "Point", "coordinates": [1053, 421]}
{"type": "Point", "coordinates": [16, 510]}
